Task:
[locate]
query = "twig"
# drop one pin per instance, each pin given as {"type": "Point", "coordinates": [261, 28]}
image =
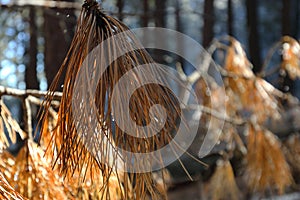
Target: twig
{"type": "Point", "coordinates": [40, 102]}
{"type": "Point", "coordinates": [21, 93]}
{"type": "Point", "coordinates": [270, 54]}
{"type": "Point", "coordinates": [27, 118]}
{"type": "Point", "coordinates": [217, 114]}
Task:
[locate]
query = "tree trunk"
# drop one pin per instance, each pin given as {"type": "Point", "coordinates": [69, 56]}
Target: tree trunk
{"type": "Point", "coordinates": [286, 17]}
{"type": "Point", "coordinates": [296, 19]}
{"type": "Point", "coordinates": [120, 5]}
{"type": "Point", "coordinates": [144, 20]}
{"type": "Point", "coordinates": [287, 84]}
{"type": "Point", "coordinates": [230, 18]}
{"type": "Point", "coordinates": [253, 36]}
{"type": "Point", "coordinates": [179, 29]}
{"type": "Point", "coordinates": [145, 17]}
{"type": "Point", "coordinates": [160, 13]}
{"type": "Point", "coordinates": [30, 72]}
{"type": "Point", "coordinates": [58, 33]}
{"type": "Point", "coordinates": [160, 21]}
{"type": "Point", "coordinates": [208, 28]}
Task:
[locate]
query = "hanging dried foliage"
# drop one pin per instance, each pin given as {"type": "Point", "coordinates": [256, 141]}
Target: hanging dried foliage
{"type": "Point", "coordinates": [71, 153]}
{"type": "Point", "coordinates": [291, 57]}
{"type": "Point", "coordinates": [249, 92]}
{"type": "Point", "coordinates": [8, 123]}
{"type": "Point", "coordinates": [292, 153]}
{"type": "Point", "coordinates": [267, 168]}
{"type": "Point", "coordinates": [31, 175]}
{"type": "Point", "coordinates": [222, 184]}
{"type": "Point", "coordinates": [7, 192]}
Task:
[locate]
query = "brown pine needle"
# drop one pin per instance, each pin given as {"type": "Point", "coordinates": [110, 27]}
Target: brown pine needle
{"type": "Point", "coordinates": [69, 143]}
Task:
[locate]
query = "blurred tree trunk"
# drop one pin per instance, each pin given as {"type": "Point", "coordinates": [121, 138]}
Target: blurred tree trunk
{"type": "Point", "coordinates": [144, 20]}
{"type": "Point", "coordinates": [287, 84]}
{"type": "Point", "coordinates": [290, 17]}
{"type": "Point", "coordinates": [230, 18]}
{"type": "Point", "coordinates": [31, 79]}
{"type": "Point", "coordinates": [145, 16]}
{"type": "Point", "coordinates": [30, 72]}
{"type": "Point", "coordinates": [58, 33]}
{"type": "Point", "coordinates": [253, 36]}
{"type": "Point", "coordinates": [160, 13]}
{"type": "Point", "coordinates": [179, 29]}
{"type": "Point", "coordinates": [208, 27]}
{"type": "Point", "coordinates": [296, 18]}
{"type": "Point", "coordinates": [120, 5]}
{"type": "Point", "coordinates": [160, 21]}
{"type": "Point", "coordinates": [286, 17]}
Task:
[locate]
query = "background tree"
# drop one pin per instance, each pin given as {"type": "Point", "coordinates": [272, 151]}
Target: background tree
{"type": "Point", "coordinates": [31, 71]}
{"type": "Point", "coordinates": [120, 5]}
{"type": "Point", "coordinates": [208, 27]}
{"type": "Point", "coordinates": [159, 21]}
{"type": "Point", "coordinates": [59, 27]}
{"type": "Point", "coordinates": [253, 35]}
{"type": "Point", "coordinates": [230, 17]}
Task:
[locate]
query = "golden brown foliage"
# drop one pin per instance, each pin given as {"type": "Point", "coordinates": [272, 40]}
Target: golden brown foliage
{"type": "Point", "coordinates": [11, 125]}
{"type": "Point", "coordinates": [222, 184]}
{"type": "Point", "coordinates": [246, 90]}
{"type": "Point", "coordinates": [266, 164]}
{"type": "Point", "coordinates": [7, 192]}
{"type": "Point", "coordinates": [292, 153]}
{"type": "Point", "coordinates": [290, 57]}
{"type": "Point", "coordinates": [71, 154]}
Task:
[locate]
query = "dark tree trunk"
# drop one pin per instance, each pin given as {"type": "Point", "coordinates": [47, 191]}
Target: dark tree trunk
{"type": "Point", "coordinates": [230, 18]}
{"type": "Point", "coordinates": [287, 84]}
{"type": "Point", "coordinates": [30, 72]}
{"type": "Point", "coordinates": [120, 5]}
{"type": "Point", "coordinates": [160, 13]}
{"type": "Point", "coordinates": [58, 33]}
{"type": "Point", "coordinates": [296, 19]}
{"type": "Point", "coordinates": [145, 16]}
{"type": "Point", "coordinates": [160, 21]}
{"type": "Point", "coordinates": [253, 36]}
{"type": "Point", "coordinates": [144, 20]}
{"type": "Point", "coordinates": [179, 29]}
{"type": "Point", "coordinates": [208, 29]}
{"type": "Point", "coordinates": [286, 17]}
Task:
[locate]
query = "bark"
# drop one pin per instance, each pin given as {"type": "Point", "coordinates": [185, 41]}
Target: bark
{"type": "Point", "coordinates": [160, 21]}
{"type": "Point", "coordinates": [296, 19]}
{"type": "Point", "coordinates": [208, 28]}
{"type": "Point", "coordinates": [160, 13]}
{"type": "Point", "coordinates": [253, 36]}
{"type": "Point", "coordinates": [230, 18]}
{"type": "Point", "coordinates": [145, 17]}
{"type": "Point", "coordinates": [287, 84]}
{"type": "Point", "coordinates": [58, 33]}
{"type": "Point", "coordinates": [30, 72]}
{"type": "Point", "coordinates": [286, 17]}
{"type": "Point", "coordinates": [120, 5]}
{"type": "Point", "coordinates": [179, 29]}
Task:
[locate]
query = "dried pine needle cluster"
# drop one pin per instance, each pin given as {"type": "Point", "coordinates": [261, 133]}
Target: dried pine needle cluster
{"type": "Point", "coordinates": [254, 101]}
{"type": "Point", "coordinates": [63, 166]}
{"type": "Point", "coordinates": [71, 153]}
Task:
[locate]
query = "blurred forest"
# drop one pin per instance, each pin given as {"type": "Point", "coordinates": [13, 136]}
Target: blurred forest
{"type": "Point", "coordinates": [256, 49]}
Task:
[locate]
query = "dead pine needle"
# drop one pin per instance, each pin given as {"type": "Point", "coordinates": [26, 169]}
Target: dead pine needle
{"type": "Point", "coordinates": [79, 149]}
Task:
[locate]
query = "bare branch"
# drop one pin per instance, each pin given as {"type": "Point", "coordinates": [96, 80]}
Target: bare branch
{"type": "Point", "coordinates": [217, 114]}
{"type": "Point", "coordinates": [21, 93]}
